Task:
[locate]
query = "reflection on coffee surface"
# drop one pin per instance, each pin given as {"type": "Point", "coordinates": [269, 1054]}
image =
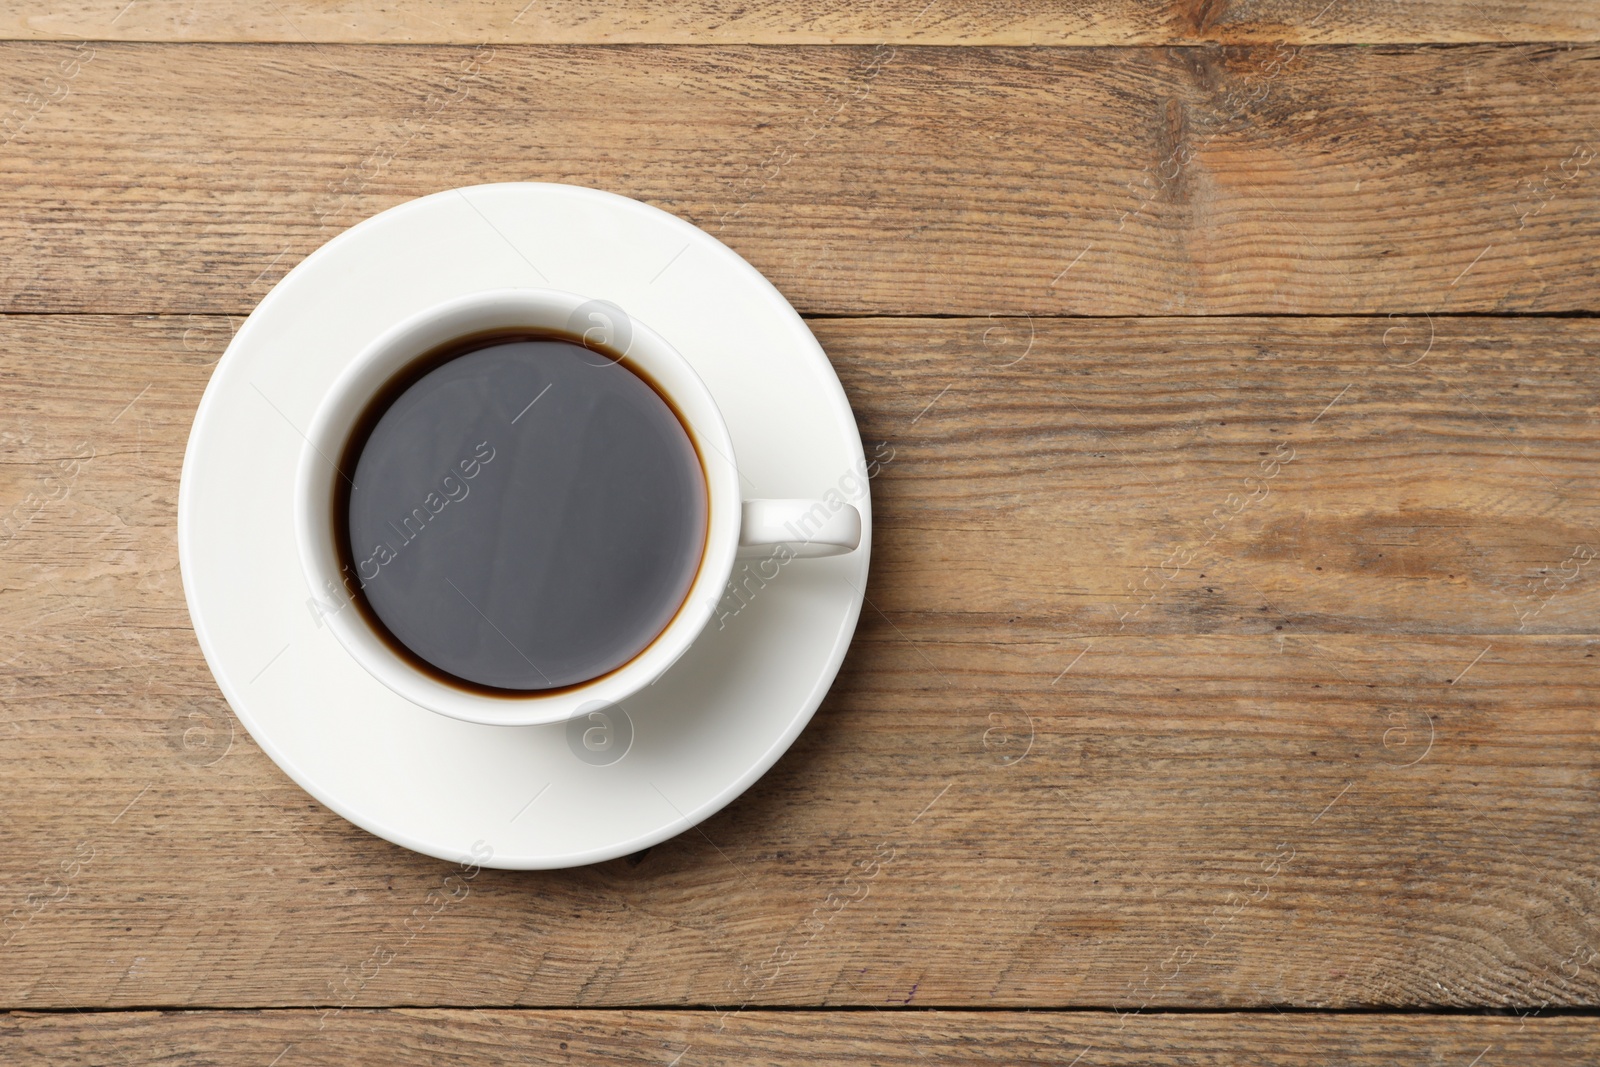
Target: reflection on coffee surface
{"type": "Point", "coordinates": [525, 514]}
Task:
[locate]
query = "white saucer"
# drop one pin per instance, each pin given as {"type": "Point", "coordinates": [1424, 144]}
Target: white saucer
{"type": "Point", "coordinates": [538, 796]}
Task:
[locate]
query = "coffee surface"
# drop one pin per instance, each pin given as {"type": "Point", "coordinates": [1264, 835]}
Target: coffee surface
{"type": "Point", "coordinates": [526, 515]}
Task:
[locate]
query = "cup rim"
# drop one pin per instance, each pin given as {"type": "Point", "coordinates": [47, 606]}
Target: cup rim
{"type": "Point", "coordinates": [388, 354]}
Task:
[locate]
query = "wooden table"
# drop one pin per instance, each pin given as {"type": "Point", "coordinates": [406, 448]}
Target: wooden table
{"type": "Point", "coordinates": [1227, 691]}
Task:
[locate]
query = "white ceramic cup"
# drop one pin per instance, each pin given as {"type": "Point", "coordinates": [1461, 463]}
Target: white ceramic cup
{"type": "Point", "coordinates": [735, 527]}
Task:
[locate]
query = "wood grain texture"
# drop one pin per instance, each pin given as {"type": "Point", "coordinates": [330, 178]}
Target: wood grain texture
{"type": "Point", "coordinates": [898, 180]}
{"type": "Point", "coordinates": [1267, 788]}
{"type": "Point", "coordinates": [428, 1037]}
{"type": "Point", "coordinates": [1397, 474]}
{"type": "Point", "coordinates": [942, 22]}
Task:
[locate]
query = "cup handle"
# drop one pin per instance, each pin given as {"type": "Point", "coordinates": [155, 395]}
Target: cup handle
{"type": "Point", "coordinates": [809, 528]}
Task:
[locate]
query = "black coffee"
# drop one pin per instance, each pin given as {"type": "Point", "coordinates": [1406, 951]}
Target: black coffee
{"type": "Point", "coordinates": [526, 513]}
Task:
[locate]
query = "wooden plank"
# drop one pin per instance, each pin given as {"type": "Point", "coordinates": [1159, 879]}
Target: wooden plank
{"type": "Point", "coordinates": [699, 1038]}
{"type": "Point", "coordinates": [1177, 822]}
{"type": "Point", "coordinates": [958, 22]}
{"type": "Point", "coordinates": [1386, 801]}
{"type": "Point", "coordinates": [1380, 474]}
{"type": "Point", "coordinates": [1040, 181]}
